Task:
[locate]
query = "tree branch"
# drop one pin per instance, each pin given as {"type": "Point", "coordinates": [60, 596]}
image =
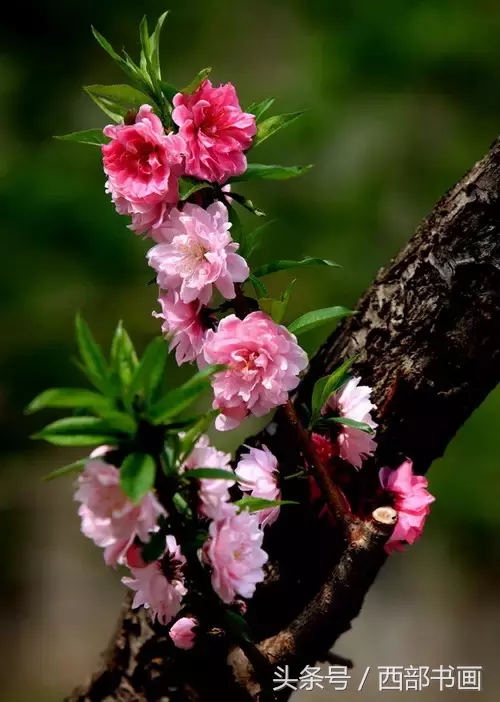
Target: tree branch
{"type": "Point", "coordinates": [428, 337]}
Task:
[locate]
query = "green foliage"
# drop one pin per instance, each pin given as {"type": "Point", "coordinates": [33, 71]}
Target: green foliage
{"type": "Point", "coordinates": [209, 473]}
{"type": "Point", "coordinates": [259, 108]}
{"type": "Point", "coordinates": [261, 171]}
{"type": "Point", "coordinates": [188, 186]}
{"type": "Point", "coordinates": [197, 81]}
{"type": "Point", "coordinates": [257, 504]}
{"type": "Point", "coordinates": [325, 387]}
{"type": "Point", "coordinates": [117, 98]}
{"type": "Point", "coordinates": [316, 318]}
{"type": "Point", "coordinates": [284, 265]}
{"type": "Point", "coordinates": [345, 421]}
{"type": "Point", "coordinates": [273, 124]}
{"type": "Point", "coordinates": [137, 475]}
{"type": "Point", "coordinates": [276, 309]}
{"type": "Point", "coordinates": [95, 137]}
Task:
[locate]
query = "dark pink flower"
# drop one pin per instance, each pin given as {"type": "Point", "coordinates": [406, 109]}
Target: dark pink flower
{"type": "Point", "coordinates": [143, 165]}
{"type": "Point", "coordinates": [411, 501]}
{"type": "Point", "coordinates": [216, 130]}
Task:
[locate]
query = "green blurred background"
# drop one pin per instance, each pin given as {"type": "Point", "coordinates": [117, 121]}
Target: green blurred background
{"type": "Point", "coordinates": [403, 97]}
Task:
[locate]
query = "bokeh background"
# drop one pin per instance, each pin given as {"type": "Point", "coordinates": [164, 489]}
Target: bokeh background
{"type": "Point", "coordinates": [402, 97]}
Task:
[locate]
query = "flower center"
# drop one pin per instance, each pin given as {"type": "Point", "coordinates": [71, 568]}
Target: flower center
{"type": "Point", "coordinates": [192, 255]}
{"type": "Point", "coordinates": [171, 567]}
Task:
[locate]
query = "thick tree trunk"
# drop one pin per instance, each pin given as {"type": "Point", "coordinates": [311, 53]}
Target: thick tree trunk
{"type": "Point", "coordinates": [428, 337]}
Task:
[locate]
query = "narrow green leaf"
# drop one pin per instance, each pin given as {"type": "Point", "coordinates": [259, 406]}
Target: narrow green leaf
{"type": "Point", "coordinates": [91, 354]}
{"type": "Point", "coordinates": [316, 318]}
{"type": "Point", "coordinates": [238, 626]}
{"type": "Point", "coordinates": [236, 228]}
{"type": "Point", "coordinates": [273, 124]}
{"type": "Point", "coordinates": [327, 386]}
{"type": "Point", "coordinates": [68, 398]}
{"type": "Point", "coordinates": [188, 186]}
{"type": "Point", "coordinates": [130, 70]}
{"type": "Point", "coordinates": [137, 475]}
{"type": "Point", "coordinates": [110, 108]}
{"type": "Point", "coordinates": [123, 96]}
{"type": "Point", "coordinates": [258, 108]}
{"type": "Point", "coordinates": [123, 357]}
{"type": "Point", "coordinates": [177, 400]}
{"type": "Point", "coordinates": [150, 370]}
{"type": "Point", "coordinates": [209, 474]}
{"type": "Point", "coordinates": [155, 44]}
{"type": "Point", "coordinates": [256, 504]}
{"type": "Point", "coordinates": [285, 265]}
{"type": "Point", "coordinates": [71, 468]}
{"type": "Point", "coordinates": [247, 204]}
{"type": "Point", "coordinates": [120, 422]}
{"type": "Point", "coordinates": [197, 81]}
{"type": "Point", "coordinates": [193, 433]}
{"type": "Point", "coordinates": [345, 421]}
{"type": "Point", "coordinates": [168, 90]}
{"type": "Point", "coordinates": [78, 431]}
{"type": "Point", "coordinates": [260, 171]}
{"type": "Point", "coordinates": [95, 137]}
{"type": "Point", "coordinates": [276, 308]}
{"type": "Point", "coordinates": [259, 287]}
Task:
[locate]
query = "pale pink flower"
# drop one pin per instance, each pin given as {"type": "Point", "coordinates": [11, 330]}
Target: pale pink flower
{"type": "Point", "coordinates": [108, 516]}
{"type": "Point", "coordinates": [182, 324]}
{"type": "Point", "coordinates": [159, 586]}
{"type": "Point", "coordinates": [264, 362]}
{"type": "Point", "coordinates": [411, 501]}
{"type": "Point", "coordinates": [353, 402]}
{"type": "Point", "coordinates": [235, 554]}
{"type": "Point", "coordinates": [197, 252]}
{"type": "Point", "coordinates": [143, 164]}
{"type": "Point", "coordinates": [213, 493]}
{"type": "Point", "coordinates": [216, 130]}
{"type": "Point", "coordinates": [259, 470]}
{"type": "Point", "coordinates": [183, 633]}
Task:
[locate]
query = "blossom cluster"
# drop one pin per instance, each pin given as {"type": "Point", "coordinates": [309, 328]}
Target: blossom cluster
{"type": "Point", "coordinates": [195, 255]}
{"type": "Point", "coordinates": [233, 548]}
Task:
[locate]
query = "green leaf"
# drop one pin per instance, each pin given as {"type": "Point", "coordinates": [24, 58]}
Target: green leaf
{"type": "Point", "coordinates": [197, 81]}
{"type": "Point", "coordinates": [71, 468]}
{"type": "Point", "coordinates": [258, 108]}
{"type": "Point", "coordinates": [68, 398]}
{"type": "Point", "coordinates": [260, 171]}
{"type": "Point", "coordinates": [175, 401]}
{"type": "Point", "coordinates": [252, 240]}
{"type": "Point", "coordinates": [88, 136]}
{"type": "Point", "coordinates": [150, 370]}
{"type": "Point", "coordinates": [273, 124]}
{"type": "Point", "coordinates": [259, 287]}
{"type": "Point", "coordinates": [168, 90]}
{"type": "Point", "coordinates": [276, 308]}
{"type": "Point", "coordinates": [327, 386]}
{"type": "Point", "coordinates": [121, 96]}
{"type": "Point", "coordinates": [78, 431]}
{"type": "Point", "coordinates": [155, 44]}
{"type": "Point", "coordinates": [92, 356]}
{"type": "Point", "coordinates": [210, 474]}
{"type": "Point", "coordinates": [126, 65]}
{"type": "Point", "coordinates": [110, 108]}
{"type": "Point", "coordinates": [236, 228]}
{"type": "Point", "coordinates": [316, 318]}
{"type": "Point", "coordinates": [238, 626]}
{"type": "Point", "coordinates": [345, 421]}
{"type": "Point", "coordinates": [285, 265]}
{"type": "Point", "coordinates": [137, 475]}
{"type": "Point", "coordinates": [188, 186]}
{"type": "Point", "coordinates": [123, 357]}
{"type": "Point", "coordinates": [256, 504]}
{"type": "Point", "coordinates": [192, 434]}
{"type": "Point", "coordinates": [120, 422]}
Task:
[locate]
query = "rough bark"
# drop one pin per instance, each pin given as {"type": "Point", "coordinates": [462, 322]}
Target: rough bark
{"type": "Point", "coordinates": [428, 337]}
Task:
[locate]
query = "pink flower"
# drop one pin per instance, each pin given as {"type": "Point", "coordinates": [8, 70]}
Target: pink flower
{"type": "Point", "coordinates": [143, 165]}
{"type": "Point", "coordinates": [197, 252]}
{"type": "Point", "coordinates": [264, 362]}
{"type": "Point", "coordinates": [411, 500]}
{"type": "Point", "coordinates": [259, 469]}
{"type": "Point", "coordinates": [183, 324]}
{"type": "Point", "coordinates": [159, 586]}
{"type": "Point", "coordinates": [216, 131]}
{"type": "Point", "coordinates": [213, 493]}
{"type": "Point", "coordinates": [235, 554]}
{"type": "Point", "coordinates": [108, 516]}
{"type": "Point", "coordinates": [182, 632]}
{"type": "Point", "coordinates": [353, 402]}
